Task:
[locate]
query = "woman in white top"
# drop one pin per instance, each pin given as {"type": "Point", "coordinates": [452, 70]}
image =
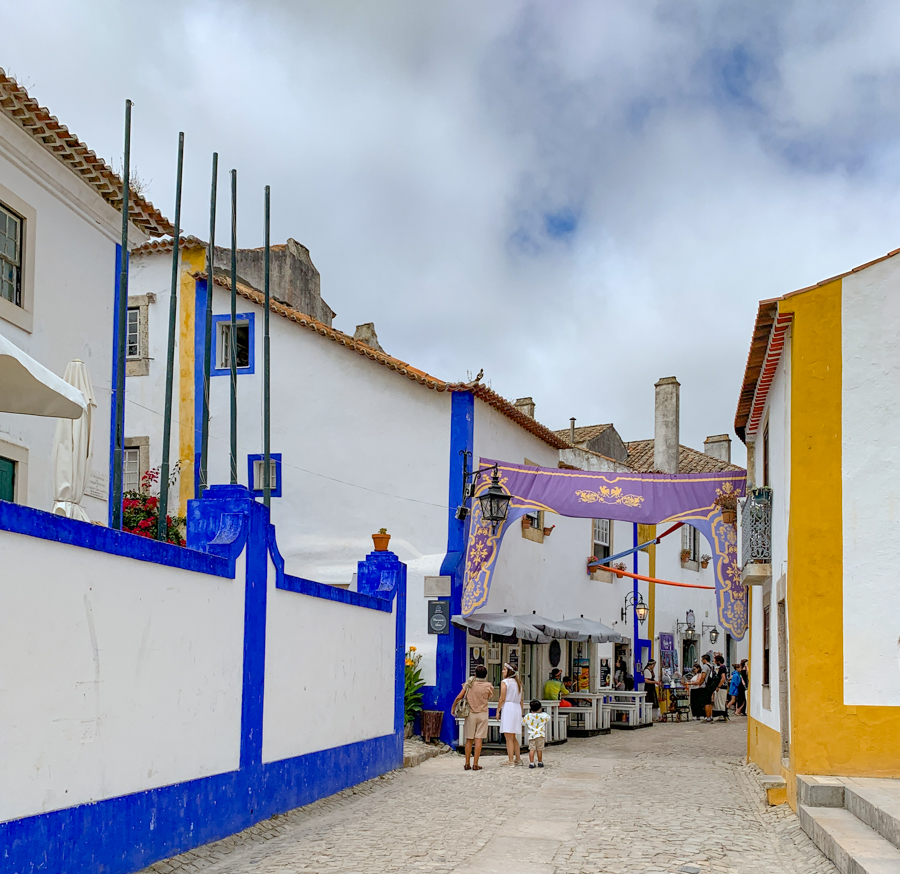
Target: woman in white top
{"type": "Point", "coordinates": [510, 706]}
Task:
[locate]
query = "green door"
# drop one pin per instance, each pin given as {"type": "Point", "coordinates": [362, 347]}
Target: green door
{"type": "Point", "coordinates": [7, 479]}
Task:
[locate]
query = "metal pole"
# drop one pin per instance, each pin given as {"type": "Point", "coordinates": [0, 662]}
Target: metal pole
{"type": "Point", "coordinates": [207, 334]}
{"type": "Point", "coordinates": [267, 409]}
{"type": "Point", "coordinates": [121, 332]}
{"type": "Point", "coordinates": [162, 528]}
{"type": "Point", "coordinates": [232, 331]}
{"type": "Point", "coordinates": [634, 617]}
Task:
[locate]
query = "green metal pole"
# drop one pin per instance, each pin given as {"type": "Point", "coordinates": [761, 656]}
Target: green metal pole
{"type": "Point", "coordinates": [207, 333]}
{"type": "Point", "coordinates": [162, 529]}
{"type": "Point", "coordinates": [232, 333]}
{"type": "Point", "coordinates": [267, 409]}
{"type": "Point", "coordinates": [121, 332]}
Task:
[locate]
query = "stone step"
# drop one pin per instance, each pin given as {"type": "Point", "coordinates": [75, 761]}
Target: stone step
{"type": "Point", "coordinates": [848, 842]}
{"type": "Point", "coordinates": [877, 803]}
{"type": "Point", "coordinates": [820, 791]}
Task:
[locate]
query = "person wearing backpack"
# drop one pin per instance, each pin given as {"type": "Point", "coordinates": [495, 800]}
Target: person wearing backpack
{"type": "Point", "coordinates": [472, 703]}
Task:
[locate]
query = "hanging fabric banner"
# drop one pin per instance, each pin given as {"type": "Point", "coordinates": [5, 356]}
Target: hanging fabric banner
{"type": "Point", "coordinates": [644, 498]}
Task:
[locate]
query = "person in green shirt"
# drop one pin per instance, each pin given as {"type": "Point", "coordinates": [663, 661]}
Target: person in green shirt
{"type": "Point", "coordinates": [554, 688]}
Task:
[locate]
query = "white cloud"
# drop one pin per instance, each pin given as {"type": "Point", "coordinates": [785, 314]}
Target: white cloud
{"type": "Point", "coordinates": [578, 197]}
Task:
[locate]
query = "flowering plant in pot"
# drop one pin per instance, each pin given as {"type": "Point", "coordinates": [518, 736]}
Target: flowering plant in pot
{"type": "Point", "coordinates": [685, 555]}
{"type": "Point", "coordinates": [704, 560]}
{"type": "Point", "coordinates": [140, 510]}
{"type": "Point", "coordinates": [381, 540]}
{"type": "Point", "coordinates": [412, 689]}
{"type": "Point", "coordinates": [726, 501]}
{"type": "Point", "coordinates": [619, 566]}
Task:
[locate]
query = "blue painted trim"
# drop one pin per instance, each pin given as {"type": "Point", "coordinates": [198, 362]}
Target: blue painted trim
{"type": "Point", "coordinates": [320, 590]}
{"type": "Point", "coordinates": [199, 352]}
{"type": "Point", "coordinates": [46, 526]}
{"type": "Point", "coordinates": [276, 460]}
{"type": "Point", "coordinates": [226, 317]}
{"type": "Point", "coordinates": [128, 833]}
{"type": "Point", "coordinates": [451, 648]}
{"type": "Point", "coordinates": [125, 834]}
{"type": "Point", "coordinates": [114, 372]}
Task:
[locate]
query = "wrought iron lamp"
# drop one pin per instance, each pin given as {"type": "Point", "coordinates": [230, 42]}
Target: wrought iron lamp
{"type": "Point", "coordinates": [688, 626]}
{"type": "Point", "coordinates": [713, 632]}
{"type": "Point", "coordinates": [494, 501]}
{"type": "Point", "coordinates": [641, 610]}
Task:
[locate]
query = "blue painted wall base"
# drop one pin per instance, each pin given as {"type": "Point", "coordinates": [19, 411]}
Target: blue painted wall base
{"type": "Point", "coordinates": [127, 833]}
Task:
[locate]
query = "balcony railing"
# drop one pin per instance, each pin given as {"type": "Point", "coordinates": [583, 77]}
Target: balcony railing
{"type": "Point", "coordinates": [756, 527]}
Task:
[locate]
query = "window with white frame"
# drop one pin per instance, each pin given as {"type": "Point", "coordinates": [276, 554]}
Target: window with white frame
{"type": "Point", "coordinates": [133, 335]}
{"type": "Point", "coordinates": [242, 344]}
{"type": "Point", "coordinates": [690, 543]}
{"type": "Point", "coordinates": [11, 226]}
{"type": "Point", "coordinates": [131, 469]}
{"type": "Point", "coordinates": [602, 541]}
{"type": "Point", "coordinates": [258, 475]}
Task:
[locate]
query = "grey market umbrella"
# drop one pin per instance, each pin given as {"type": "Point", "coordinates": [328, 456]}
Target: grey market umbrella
{"type": "Point", "coordinates": [500, 625]}
{"type": "Point", "coordinates": [591, 630]}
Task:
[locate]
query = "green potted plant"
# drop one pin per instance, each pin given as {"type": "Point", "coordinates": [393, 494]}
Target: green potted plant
{"type": "Point", "coordinates": [412, 690]}
{"type": "Point", "coordinates": [381, 540]}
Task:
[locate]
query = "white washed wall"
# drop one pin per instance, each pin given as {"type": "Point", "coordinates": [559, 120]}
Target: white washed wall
{"type": "Point", "coordinates": [870, 319]}
{"type": "Point", "coordinates": [118, 675]}
{"type": "Point", "coordinates": [330, 674]}
{"type": "Point", "coordinates": [363, 448]}
{"type": "Point", "coordinates": [777, 413]}
{"type": "Point", "coordinates": [74, 295]}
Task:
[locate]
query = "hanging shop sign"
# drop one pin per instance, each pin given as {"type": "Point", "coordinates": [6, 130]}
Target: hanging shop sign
{"type": "Point", "coordinates": [438, 617]}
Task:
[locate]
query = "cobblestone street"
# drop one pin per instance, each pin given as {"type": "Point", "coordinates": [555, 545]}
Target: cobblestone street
{"type": "Point", "coordinates": [671, 798]}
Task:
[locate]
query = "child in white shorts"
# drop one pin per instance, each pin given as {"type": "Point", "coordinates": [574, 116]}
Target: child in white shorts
{"type": "Point", "coordinates": [536, 722]}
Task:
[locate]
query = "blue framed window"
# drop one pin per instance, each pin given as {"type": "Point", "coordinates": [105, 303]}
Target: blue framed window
{"type": "Point", "coordinates": [255, 474]}
{"type": "Point", "coordinates": [246, 344]}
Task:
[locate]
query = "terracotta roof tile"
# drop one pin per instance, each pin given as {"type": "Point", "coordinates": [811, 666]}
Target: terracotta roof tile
{"type": "Point", "coordinates": [640, 457]}
{"type": "Point", "coordinates": [188, 241]}
{"type": "Point", "coordinates": [482, 392]}
{"type": "Point", "coordinates": [584, 433]}
{"type": "Point", "coordinates": [56, 138]}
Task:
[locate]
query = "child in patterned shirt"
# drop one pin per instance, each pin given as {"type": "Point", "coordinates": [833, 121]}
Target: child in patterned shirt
{"type": "Point", "coordinates": [536, 723]}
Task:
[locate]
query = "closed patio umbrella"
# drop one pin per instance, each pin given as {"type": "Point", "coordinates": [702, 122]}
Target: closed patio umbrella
{"type": "Point", "coordinates": [557, 628]}
{"type": "Point", "coordinates": [72, 449]}
{"type": "Point", "coordinates": [500, 625]}
{"type": "Point", "coordinates": [591, 630]}
{"type": "Point", "coordinates": [29, 388]}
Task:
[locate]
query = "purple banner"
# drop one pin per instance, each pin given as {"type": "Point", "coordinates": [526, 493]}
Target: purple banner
{"type": "Point", "coordinates": [648, 498]}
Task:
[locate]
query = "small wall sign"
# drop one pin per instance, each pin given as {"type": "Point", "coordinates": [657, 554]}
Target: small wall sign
{"type": "Point", "coordinates": [98, 485]}
{"type": "Point", "coordinates": [438, 617]}
{"type": "Point", "coordinates": [437, 587]}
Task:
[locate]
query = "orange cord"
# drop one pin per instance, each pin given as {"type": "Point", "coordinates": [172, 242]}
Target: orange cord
{"type": "Point", "coordinates": [619, 573]}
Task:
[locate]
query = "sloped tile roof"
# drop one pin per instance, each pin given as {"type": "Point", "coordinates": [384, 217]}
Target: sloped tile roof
{"type": "Point", "coordinates": [188, 241]}
{"type": "Point", "coordinates": [583, 434]}
{"type": "Point", "coordinates": [482, 392]}
{"type": "Point", "coordinates": [58, 140]}
{"type": "Point", "coordinates": [640, 457]}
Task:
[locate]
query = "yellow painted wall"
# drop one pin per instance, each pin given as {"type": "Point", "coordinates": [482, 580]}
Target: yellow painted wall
{"type": "Point", "coordinates": [192, 260]}
{"type": "Point", "coordinates": [826, 736]}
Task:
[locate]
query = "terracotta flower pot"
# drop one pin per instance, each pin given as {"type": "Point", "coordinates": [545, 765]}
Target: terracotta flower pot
{"type": "Point", "coordinates": [729, 517]}
{"type": "Point", "coordinates": [381, 542]}
{"type": "Point", "coordinates": [704, 564]}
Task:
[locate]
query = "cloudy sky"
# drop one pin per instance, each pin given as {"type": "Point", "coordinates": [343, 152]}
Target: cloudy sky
{"type": "Point", "coordinates": [579, 197]}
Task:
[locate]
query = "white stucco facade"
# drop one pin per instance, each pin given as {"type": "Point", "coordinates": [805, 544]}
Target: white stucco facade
{"type": "Point", "coordinates": [121, 675]}
{"type": "Point", "coordinates": [870, 466]}
{"type": "Point", "coordinates": [69, 281]}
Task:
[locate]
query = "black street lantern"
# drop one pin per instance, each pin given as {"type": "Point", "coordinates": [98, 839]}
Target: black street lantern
{"type": "Point", "coordinates": [494, 502]}
{"type": "Point", "coordinates": [713, 635]}
{"type": "Point", "coordinates": [641, 610]}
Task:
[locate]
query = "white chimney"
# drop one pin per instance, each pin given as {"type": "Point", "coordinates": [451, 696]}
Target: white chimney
{"type": "Point", "coordinates": [526, 406]}
{"type": "Point", "coordinates": [666, 424]}
{"type": "Point", "coordinates": [718, 446]}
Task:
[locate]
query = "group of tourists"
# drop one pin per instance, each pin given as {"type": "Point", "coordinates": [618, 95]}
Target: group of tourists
{"type": "Point", "coordinates": [472, 703]}
{"type": "Point", "coordinates": [713, 692]}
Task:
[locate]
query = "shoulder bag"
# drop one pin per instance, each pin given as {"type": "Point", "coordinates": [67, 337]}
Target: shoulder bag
{"type": "Point", "coordinates": [461, 709]}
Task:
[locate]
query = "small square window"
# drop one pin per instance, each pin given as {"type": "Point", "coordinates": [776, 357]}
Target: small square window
{"type": "Point", "coordinates": [255, 468]}
{"type": "Point", "coordinates": [244, 343]}
{"type": "Point", "coordinates": [601, 541]}
{"type": "Point", "coordinates": [131, 469]}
